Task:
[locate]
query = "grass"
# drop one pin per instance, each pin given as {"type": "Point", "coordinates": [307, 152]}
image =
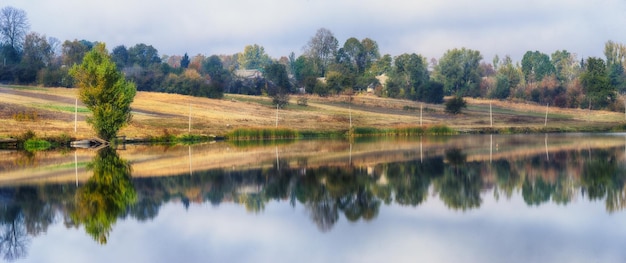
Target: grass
{"type": "Point", "coordinates": [63, 108]}
{"type": "Point", "coordinates": [248, 117]}
{"type": "Point", "coordinates": [262, 134]}
{"type": "Point", "coordinates": [33, 145]}
{"type": "Point", "coordinates": [403, 131]}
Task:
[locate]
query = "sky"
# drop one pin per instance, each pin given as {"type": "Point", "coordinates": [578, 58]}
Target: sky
{"type": "Point", "coordinates": [426, 27]}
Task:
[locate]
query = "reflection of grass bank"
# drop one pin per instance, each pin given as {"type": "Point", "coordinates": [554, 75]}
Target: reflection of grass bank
{"type": "Point", "coordinates": [403, 131]}
{"type": "Point", "coordinates": [527, 130]}
{"type": "Point", "coordinates": [279, 134]}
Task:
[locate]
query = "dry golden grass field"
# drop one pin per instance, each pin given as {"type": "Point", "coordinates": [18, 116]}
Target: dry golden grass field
{"type": "Point", "coordinates": [50, 112]}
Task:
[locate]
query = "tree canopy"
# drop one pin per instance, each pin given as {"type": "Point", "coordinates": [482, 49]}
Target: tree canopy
{"type": "Point", "coordinates": [459, 72]}
{"type": "Point", "coordinates": [105, 91]}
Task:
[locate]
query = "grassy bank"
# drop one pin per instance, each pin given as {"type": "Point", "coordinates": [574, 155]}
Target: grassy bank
{"type": "Point", "coordinates": [172, 118]}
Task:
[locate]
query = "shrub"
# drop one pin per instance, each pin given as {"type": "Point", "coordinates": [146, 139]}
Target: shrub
{"type": "Point", "coordinates": [455, 105]}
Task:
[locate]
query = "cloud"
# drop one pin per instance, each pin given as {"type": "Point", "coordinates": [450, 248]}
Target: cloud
{"type": "Point", "coordinates": [282, 26]}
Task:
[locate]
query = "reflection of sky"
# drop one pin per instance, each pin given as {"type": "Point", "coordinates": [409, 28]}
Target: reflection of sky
{"type": "Point", "coordinates": [503, 231]}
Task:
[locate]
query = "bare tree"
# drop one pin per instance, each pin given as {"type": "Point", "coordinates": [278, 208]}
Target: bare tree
{"type": "Point", "coordinates": [13, 26]}
{"type": "Point", "coordinates": [322, 49]}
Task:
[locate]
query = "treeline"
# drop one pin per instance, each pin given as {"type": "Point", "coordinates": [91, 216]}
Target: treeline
{"type": "Point", "coordinates": [327, 68]}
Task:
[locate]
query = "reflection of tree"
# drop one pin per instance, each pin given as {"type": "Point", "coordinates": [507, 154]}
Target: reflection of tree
{"type": "Point", "coordinates": [507, 179]}
{"type": "Point", "coordinates": [145, 209]}
{"type": "Point", "coordinates": [602, 177]}
{"type": "Point", "coordinates": [105, 196]}
{"type": "Point", "coordinates": [411, 180]}
{"type": "Point", "coordinates": [563, 190]}
{"type": "Point", "coordinates": [361, 204]}
{"type": "Point", "coordinates": [536, 192]}
{"type": "Point", "coordinates": [599, 175]}
{"type": "Point", "coordinates": [13, 235]}
{"type": "Point", "coordinates": [459, 188]}
{"type": "Point", "coordinates": [311, 191]}
{"type": "Point", "coordinates": [253, 202]}
{"type": "Point", "coordinates": [323, 212]}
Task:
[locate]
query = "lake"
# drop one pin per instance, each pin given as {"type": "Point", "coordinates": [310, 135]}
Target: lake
{"type": "Point", "coordinates": [466, 198]}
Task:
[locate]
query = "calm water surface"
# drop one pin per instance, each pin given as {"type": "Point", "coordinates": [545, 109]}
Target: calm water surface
{"type": "Point", "coordinates": [500, 198]}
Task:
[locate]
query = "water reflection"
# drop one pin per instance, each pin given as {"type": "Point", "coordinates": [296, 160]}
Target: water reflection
{"type": "Point", "coordinates": [106, 195]}
{"type": "Point", "coordinates": [346, 187]}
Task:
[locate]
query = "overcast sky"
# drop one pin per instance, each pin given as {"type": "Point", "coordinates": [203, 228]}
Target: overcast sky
{"type": "Point", "coordinates": [428, 27]}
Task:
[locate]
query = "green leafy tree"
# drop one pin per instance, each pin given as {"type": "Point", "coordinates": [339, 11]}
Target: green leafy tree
{"type": "Point", "coordinates": [459, 71]}
{"type": "Point", "coordinates": [508, 77]}
{"type": "Point", "coordinates": [253, 57]}
{"type": "Point", "coordinates": [215, 69]}
{"type": "Point", "coordinates": [536, 66]}
{"type": "Point", "coordinates": [566, 66]}
{"type": "Point", "coordinates": [143, 55]}
{"type": "Point", "coordinates": [278, 86]}
{"type": "Point", "coordinates": [382, 65]}
{"type": "Point", "coordinates": [503, 88]}
{"type": "Point", "coordinates": [617, 78]}
{"type": "Point", "coordinates": [120, 56]}
{"type": "Point", "coordinates": [103, 89]}
{"type": "Point", "coordinates": [615, 53]}
{"type": "Point", "coordinates": [596, 84]}
{"type": "Point", "coordinates": [305, 74]}
{"type": "Point", "coordinates": [409, 79]}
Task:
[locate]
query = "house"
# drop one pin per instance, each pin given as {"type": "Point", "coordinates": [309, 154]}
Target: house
{"type": "Point", "coordinates": [248, 73]}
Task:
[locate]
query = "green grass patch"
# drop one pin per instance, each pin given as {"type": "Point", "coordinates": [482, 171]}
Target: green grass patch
{"type": "Point", "coordinates": [33, 145]}
{"type": "Point", "coordinates": [168, 138]}
{"type": "Point", "coordinates": [63, 108]}
{"type": "Point", "coordinates": [262, 134]}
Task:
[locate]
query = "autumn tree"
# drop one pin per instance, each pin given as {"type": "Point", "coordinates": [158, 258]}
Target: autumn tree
{"type": "Point", "coordinates": [73, 52]}
{"type": "Point", "coordinates": [36, 55]}
{"type": "Point", "coordinates": [105, 91]}
{"type": "Point", "coordinates": [253, 57]}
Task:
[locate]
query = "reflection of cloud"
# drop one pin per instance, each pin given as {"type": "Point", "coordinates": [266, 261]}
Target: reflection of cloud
{"type": "Point", "coordinates": [282, 26]}
{"type": "Point", "coordinates": [503, 231]}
